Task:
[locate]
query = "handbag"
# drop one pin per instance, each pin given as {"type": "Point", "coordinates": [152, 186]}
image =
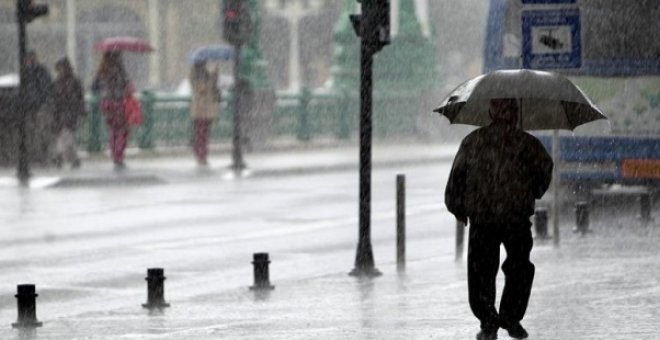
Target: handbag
{"type": "Point", "coordinates": [133, 110]}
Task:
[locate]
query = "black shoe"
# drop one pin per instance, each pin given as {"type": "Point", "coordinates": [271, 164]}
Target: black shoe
{"type": "Point", "coordinates": [517, 331]}
{"type": "Point", "coordinates": [487, 334]}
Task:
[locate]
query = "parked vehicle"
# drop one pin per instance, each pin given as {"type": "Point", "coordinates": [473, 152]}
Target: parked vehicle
{"type": "Point", "coordinates": [623, 82]}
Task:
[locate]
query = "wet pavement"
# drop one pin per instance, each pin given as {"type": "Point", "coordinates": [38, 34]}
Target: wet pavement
{"type": "Point", "coordinates": [602, 285]}
{"type": "Point", "coordinates": [156, 167]}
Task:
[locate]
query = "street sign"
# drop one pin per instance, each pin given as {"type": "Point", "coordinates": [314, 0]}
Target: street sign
{"type": "Point", "coordinates": [551, 39]}
{"type": "Point", "coordinates": [616, 38]}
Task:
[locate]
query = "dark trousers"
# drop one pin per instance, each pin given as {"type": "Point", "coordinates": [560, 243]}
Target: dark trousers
{"type": "Point", "coordinates": [483, 263]}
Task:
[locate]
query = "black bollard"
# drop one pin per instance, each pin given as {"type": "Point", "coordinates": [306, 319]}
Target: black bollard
{"type": "Point", "coordinates": [460, 236]}
{"type": "Point", "coordinates": [645, 208]}
{"type": "Point", "coordinates": [541, 223]}
{"type": "Point", "coordinates": [261, 280]}
{"type": "Point", "coordinates": [401, 222]}
{"type": "Point", "coordinates": [27, 307]}
{"type": "Point", "coordinates": [155, 289]}
{"type": "Point", "coordinates": [582, 217]}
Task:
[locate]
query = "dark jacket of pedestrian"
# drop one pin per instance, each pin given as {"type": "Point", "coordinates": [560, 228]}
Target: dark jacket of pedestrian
{"type": "Point", "coordinates": [38, 83]}
{"type": "Point", "coordinates": [498, 173]}
{"type": "Point", "coordinates": [68, 97]}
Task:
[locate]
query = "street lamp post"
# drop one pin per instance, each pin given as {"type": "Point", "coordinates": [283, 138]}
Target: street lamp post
{"type": "Point", "coordinates": [372, 26]}
{"type": "Point", "coordinates": [26, 11]}
{"type": "Point", "coordinates": [238, 94]}
{"type": "Point", "coordinates": [237, 29]}
{"type": "Point", "coordinates": [23, 171]}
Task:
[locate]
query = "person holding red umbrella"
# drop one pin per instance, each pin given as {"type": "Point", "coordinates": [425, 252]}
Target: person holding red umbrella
{"type": "Point", "coordinates": [112, 84]}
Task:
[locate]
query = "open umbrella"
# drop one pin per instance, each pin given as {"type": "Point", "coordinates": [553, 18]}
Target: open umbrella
{"type": "Point", "coordinates": [123, 44]}
{"type": "Point", "coordinates": [547, 100]}
{"type": "Point", "coordinates": [211, 53]}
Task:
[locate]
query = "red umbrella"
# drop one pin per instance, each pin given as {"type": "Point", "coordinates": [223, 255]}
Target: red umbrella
{"type": "Point", "coordinates": [123, 44]}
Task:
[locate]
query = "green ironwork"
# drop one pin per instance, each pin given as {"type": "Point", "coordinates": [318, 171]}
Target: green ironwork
{"type": "Point", "coordinates": [344, 116]}
{"type": "Point", "coordinates": [145, 137]}
{"type": "Point", "coordinates": [94, 125]}
{"type": "Point", "coordinates": [304, 128]}
{"type": "Point", "coordinates": [167, 120]}
{"type": "Point", "coordinates": [346, 56]}
{"type": "Point", "coordinates": [411, 64]}
{"type": "Point", "coordinates": [402, 72]}
{"type": "Point", "coordinates": [254, 68]}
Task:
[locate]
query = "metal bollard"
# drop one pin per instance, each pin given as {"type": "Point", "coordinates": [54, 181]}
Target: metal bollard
{"type": "Point", "coordinates": [155, 289]}
{"type": "Point", "coordinates": [27, 307]}
{"type": "Point", "coordinates": [582, 217]}
{"type": "Point", "coordinates": [645, 208]}
{"type": "Point", "coordinates": [460, 236]}
{"type": "Point", "coordinates": [261, 280]}
{"type": "Point", "coordinates": [400, 222]}
{"type": "Point", "coordinates": [541, 223]}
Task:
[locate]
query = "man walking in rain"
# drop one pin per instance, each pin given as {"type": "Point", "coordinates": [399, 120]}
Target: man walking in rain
{"type": "Point", "coordinates": [497, 174]}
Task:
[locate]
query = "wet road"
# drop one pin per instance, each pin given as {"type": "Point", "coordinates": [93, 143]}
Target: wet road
{"type": "Point", "coordinates": [87, 249]}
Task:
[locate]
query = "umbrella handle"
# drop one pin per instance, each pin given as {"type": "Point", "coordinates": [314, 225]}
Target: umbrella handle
{"type": "Point", "coordinates": [520, 111]}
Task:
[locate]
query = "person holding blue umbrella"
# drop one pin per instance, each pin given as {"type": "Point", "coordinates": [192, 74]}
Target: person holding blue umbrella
{"type": "Point", "coordinates": [205, 105]}
{"type": "Point", "coordinates": [217, 52]}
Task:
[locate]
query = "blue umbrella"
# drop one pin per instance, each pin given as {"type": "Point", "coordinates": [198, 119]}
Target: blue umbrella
{"type": "Point", "coordinates": [211, 53]}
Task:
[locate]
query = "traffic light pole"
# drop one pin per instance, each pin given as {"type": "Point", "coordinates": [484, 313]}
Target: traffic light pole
{"type": "Point", "coordinates": [239, 88]}
{"type": "Point", "coordinates": [23, 171]}
{"type": "Point", "coordinates": [364, 259]}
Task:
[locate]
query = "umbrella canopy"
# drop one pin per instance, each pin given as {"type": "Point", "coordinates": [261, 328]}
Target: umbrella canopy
{"type": "Point", "coordinates": [211, 53]}
{"type": "Point", "coordinates": [123, 44]}
{"type": "Point", "coordinates": [547, 100]}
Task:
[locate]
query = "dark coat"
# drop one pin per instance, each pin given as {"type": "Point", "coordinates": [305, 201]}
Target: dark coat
{"type": "Point", "coordinates": [498, 173]}
{"type": "Point", "coordinates": [68, 102]}
{"type": "Point", "coordinates": [38, 86]}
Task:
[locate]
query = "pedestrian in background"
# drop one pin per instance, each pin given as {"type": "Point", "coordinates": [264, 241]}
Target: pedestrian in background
{"type": "Point", "coordinates": [204, 108]}
{"type": "Point", "coordinates": [38, 82]}
{"type": "Point", "coordinates": [37, 99]}
{"type": "Point", "coordinates": [498, 173]}
{"type": "Point", "coordinates": [68, 109]}
{"type": "Point", "coordinates": [113, 85]}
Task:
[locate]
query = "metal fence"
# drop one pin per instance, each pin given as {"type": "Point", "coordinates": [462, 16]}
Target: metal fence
{"type": "Point", "coordinates": [304, 116]}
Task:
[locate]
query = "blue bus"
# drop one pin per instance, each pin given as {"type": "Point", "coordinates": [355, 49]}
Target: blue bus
{"type": "Point", "coordinates": [611, 50]}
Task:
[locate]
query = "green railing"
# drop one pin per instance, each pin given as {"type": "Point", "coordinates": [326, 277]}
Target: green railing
{"type": "Point", "coordinates": [306, 116]}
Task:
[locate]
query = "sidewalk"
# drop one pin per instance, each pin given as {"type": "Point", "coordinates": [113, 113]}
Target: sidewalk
{"type": "Point", "coordinates": [149, 167]}
{"type": "Point", "coordinates": [604, 285]}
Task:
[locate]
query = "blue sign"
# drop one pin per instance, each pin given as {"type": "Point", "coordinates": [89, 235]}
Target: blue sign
{"type": "Point", "coordinates": [551, 39]}
{"type": "Point", "coordinates": [548, 1]}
